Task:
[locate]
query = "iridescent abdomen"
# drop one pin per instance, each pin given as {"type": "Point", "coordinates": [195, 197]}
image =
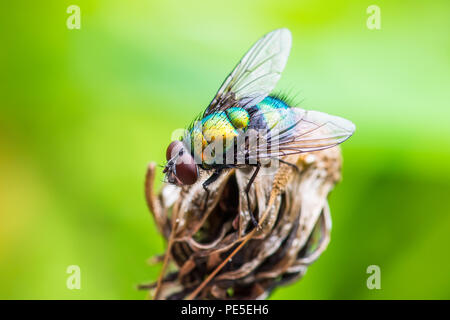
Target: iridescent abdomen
{"type": "Point", "coordinates": [270, 114]}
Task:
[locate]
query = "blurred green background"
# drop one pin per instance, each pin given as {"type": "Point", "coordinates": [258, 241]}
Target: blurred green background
{"type": "Point", "coordinates": [84, 111]}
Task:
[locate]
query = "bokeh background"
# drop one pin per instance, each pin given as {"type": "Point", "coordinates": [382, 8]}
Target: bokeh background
{"type": "Point", "coordinates": [84, 111]}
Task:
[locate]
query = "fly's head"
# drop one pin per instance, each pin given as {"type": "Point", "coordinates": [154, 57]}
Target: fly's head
{"type": "Point", "coordinates": [181, 168]}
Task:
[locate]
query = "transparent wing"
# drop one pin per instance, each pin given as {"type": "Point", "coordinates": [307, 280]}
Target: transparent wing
{"type": "Point", "coordinates": [295, 130]}
{"type": "Point", "coordinates": [256, 74]}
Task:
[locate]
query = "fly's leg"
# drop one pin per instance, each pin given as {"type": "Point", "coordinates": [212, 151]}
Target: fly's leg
{"type": "Point", "coordinates": [216, 174]}
{"type": "Point", "coordinates": [290, 164]}
{"type": "Point", "coordinates": [247, 190]}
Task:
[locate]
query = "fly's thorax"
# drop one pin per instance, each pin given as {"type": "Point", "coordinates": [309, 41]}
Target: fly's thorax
{"type": "Point", "coordinates": [233, 136]}
{"type": "Point", "coordinates": [212, 137]}
{"type": "Point", "coordinates": [238, 117]}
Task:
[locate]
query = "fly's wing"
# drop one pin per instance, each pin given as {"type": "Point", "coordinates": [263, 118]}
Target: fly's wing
{"type": "Point", "coordinates": [295, 130]}
{"type": "Point", "coordinates": [256, 74]}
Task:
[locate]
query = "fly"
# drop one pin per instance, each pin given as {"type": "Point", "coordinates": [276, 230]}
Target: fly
{"type": "Point", "coordinates": [245, 125]}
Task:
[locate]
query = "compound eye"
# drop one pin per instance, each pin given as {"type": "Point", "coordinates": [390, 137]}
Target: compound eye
{"type": "Point", "coordinates": [186, 169]}
{"type": "Point", "coordinates": [173, 149]}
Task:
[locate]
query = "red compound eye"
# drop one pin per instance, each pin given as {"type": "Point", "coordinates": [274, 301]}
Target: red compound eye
{"type": "Point", "coordinates": [173, 149]}
{"type": "Point", "coordinates": [186, 169]}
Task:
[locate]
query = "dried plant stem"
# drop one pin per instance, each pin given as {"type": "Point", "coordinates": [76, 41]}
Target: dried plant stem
{"type": "Point", "coordinates": [276, 191]}
{"type": "Point", "coordinates": [167, 255]}
{"type": "Point", "coordinates": [164, 267]}
{"type": "Point", "coordinates": [149, 196]}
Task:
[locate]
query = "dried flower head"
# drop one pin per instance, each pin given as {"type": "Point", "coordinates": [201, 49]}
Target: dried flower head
{"type": "Point", "coordinates": [217, 252]}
